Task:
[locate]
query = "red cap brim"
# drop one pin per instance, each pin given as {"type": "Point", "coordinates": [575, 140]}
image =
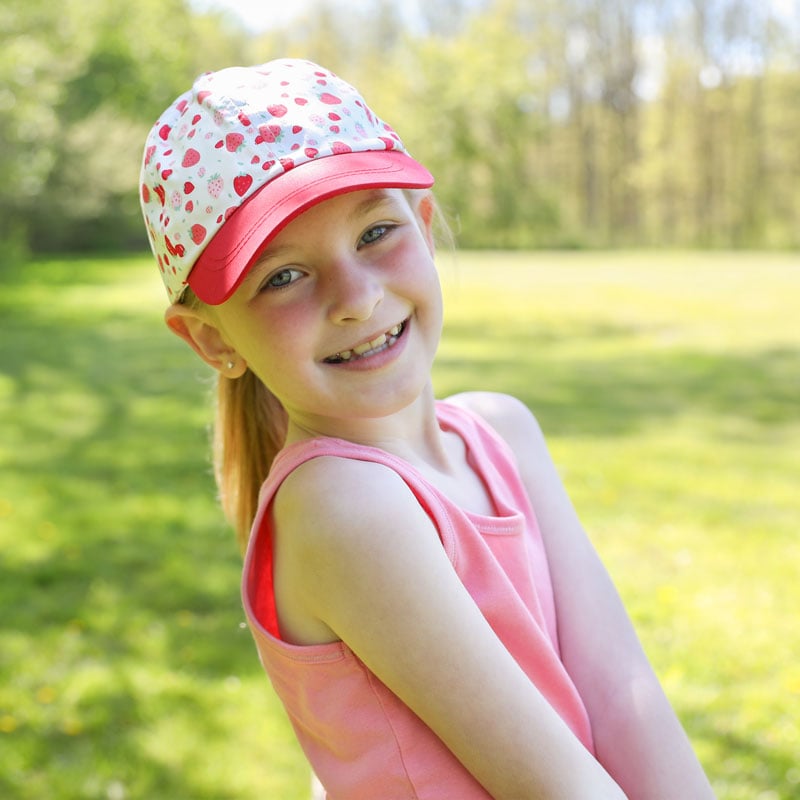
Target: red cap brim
{"type": "Point", "coordinates": [225, 261]}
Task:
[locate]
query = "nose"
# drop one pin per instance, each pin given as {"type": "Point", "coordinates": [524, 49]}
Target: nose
{"type": "Point", "coordinates": [354, 291]}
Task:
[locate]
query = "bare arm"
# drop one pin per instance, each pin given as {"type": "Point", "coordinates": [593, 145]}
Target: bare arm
{"type": "Point", "coordinates": [378, 577]}
{"type": "Point", "coordinates": [638, 738]}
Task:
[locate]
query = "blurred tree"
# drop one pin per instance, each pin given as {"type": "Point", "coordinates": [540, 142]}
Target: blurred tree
{"type": "Point", "coordinates": [560, 122]}
{"type": "Point", "coordinates": [447, 18]}
{"type": "Point", "coordinates": [98, 74]}
{"type": "Point", "coordinates": [36, 54]}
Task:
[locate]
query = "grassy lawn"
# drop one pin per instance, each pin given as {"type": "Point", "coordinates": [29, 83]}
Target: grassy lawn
{"type": "Point", "coordinates": [668, 385]}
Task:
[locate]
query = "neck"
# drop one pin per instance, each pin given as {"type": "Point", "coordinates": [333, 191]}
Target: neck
{"type": "Point", "coordinates": [412, 433]}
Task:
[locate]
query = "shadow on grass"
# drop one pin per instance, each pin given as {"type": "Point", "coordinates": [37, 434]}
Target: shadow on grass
{"type": "Point", "coordinates": [119, 578]}
{"type": "Point", "coordinates": [619, 391]}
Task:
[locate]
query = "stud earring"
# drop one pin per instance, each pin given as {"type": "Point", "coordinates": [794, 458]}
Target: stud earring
{"type": "Point", "coordinates": [231, 365]}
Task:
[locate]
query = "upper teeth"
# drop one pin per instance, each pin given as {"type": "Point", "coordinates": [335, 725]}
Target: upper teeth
{"type": "Point", "coordinates": [374, 344]}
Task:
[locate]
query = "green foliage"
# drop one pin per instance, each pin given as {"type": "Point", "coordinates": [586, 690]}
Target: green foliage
{"type": "Point", "coordinates": [667, 386]}
{"type": "Point", "coordinates": [548, 124]}
{"type": "Point", "coordinates": [81, 83]}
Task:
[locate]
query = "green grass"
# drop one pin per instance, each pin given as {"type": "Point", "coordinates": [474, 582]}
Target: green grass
{"type": "Point", "coordinates": [668, 385]}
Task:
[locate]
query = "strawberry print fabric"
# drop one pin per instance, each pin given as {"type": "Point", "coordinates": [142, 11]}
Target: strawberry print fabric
{"type": "Point", "coordinates": [233, 132]}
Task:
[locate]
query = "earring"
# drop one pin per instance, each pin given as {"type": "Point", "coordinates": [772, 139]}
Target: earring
{"type": "Point", "coordinates": [231, 365]}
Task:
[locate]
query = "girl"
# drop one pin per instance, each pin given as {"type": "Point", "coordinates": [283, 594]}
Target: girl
{"type": "Point", "coordinates": [420, 591]}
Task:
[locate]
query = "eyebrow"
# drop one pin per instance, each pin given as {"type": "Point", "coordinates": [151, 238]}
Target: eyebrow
{"type": "Point", "coordinates": [375, 198]}
{"type": "Point", "coordinates": [267, 254]}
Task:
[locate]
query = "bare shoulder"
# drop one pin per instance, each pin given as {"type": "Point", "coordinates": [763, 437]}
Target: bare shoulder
{"type": "Point", "coordinates": [331, 511]}
{"type": "Point", "coordinates": [507, 415]}
{"type": "Point", "coordinates": [488, 404]}
{"type": "Point", "coordinates": [335, 524]}
{"type": "Point", "coordinates": [335, 496]}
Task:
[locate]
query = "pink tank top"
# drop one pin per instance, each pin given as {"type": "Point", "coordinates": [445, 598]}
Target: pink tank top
{"type": "Point", "coordinates": [362, 742]}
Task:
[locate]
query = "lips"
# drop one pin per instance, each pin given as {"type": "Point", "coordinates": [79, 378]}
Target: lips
{"type": "Point", "coordinates": [370, 348]}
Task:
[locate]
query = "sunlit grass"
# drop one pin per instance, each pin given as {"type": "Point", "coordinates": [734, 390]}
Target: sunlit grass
{"type": "Point", "coordinates": [668, 386]}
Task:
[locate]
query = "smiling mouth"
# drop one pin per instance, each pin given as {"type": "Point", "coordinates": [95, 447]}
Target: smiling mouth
{"type": "Point", "coordinates": [376, 345]}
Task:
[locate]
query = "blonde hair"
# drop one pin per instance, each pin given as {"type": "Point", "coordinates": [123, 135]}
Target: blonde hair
{"type": "Point", "coordinates": [249, 430]}
{"type": "Point", "coordinates": [250, 423]}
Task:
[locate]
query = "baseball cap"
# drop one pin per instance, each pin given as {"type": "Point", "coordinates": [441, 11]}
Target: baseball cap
{"type": "Point", "coordinates": [245, 151]}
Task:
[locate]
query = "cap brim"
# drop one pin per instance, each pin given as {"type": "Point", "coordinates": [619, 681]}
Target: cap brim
{"type": "Point", "coordinates": [225, 261]}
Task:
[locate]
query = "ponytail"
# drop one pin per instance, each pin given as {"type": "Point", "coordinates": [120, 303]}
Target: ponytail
{"type": "Point", "coordinates": [249, 430]}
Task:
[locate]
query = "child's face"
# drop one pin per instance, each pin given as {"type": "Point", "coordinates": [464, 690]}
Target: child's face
{"type": "Point", "coordinates": [352, 274]}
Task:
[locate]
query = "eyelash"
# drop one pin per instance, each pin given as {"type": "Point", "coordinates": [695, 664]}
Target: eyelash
{"type": "Point", "coordinates": [268, 283]}
{"type": "Point", "coordinates": [383, 229]}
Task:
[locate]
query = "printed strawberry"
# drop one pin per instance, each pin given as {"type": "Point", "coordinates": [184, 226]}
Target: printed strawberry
{"type": "Point", "coordinates": [241, 183]}
{"type": "Point", "coordinates": [215, 184]}
{"type": "Point", "coordinates": [329, 99]}
{"type": "Point", "coordinates": [149, 153]}
{"type": "Point", "coordinates": [277, 110]}
{"type": "Point", "coordinates": [163, 132]}
{"type": "Point", "coordinates": [188, 187]}
{"type": "Point", "coordinates": [189, 207]}
{"type": "Point", "coordinates": [341, 147]}
{"type": "Point", "coordinates": [190, 158]}
{"type": "Point", "coordinates": [268, 134]}
{"type": "Point", "coordinates": [198, 233]}
{"type": "Point", "coordinates": [311, 152]}
{"type": "Point", "coordinates": [162, 195]}
{"type": "Point", "coordinates": [145, 193]}
{"type": "Point", "coordinates": [233, 141]}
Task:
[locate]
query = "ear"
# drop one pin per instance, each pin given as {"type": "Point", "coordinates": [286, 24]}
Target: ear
{"type": "Point", "coordinates": [205, 339]}
{"type": "Point", "coordinates": [426, 211]}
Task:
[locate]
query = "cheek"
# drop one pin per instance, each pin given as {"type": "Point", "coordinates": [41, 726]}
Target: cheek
{"type": "Point", "coordinates": [269, 342]}
{"type": "Point", "coordinates": [429, 288]}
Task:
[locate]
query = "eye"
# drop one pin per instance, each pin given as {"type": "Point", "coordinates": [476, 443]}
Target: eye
{"type": "Point", "coordinates": [375, 234]}
{"type": "Point", "coordinates": [281, 278]}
